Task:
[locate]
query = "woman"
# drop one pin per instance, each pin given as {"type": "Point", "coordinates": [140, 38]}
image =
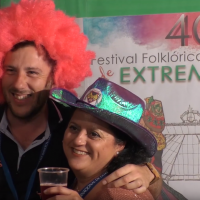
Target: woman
{"type": "Point", "coordinates": [103, 135]}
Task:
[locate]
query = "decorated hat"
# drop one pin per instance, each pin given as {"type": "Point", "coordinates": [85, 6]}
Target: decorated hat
{"type": "Point", "coordinates": [116, 106]}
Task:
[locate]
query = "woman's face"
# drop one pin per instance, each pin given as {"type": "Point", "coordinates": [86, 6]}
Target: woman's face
{"type": "Point", "coordinates": [89, 144]}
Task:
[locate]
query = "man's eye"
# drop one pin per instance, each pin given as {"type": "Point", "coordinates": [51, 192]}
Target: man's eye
{"type": "Point", "coordinates": [9, 71]}
{"type": "Point", "coordinates": [32, 72]}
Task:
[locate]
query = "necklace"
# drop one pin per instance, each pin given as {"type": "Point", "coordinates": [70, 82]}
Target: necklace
{"type": "Point", "coordinates": [90, 186]}
{"type": "Point", "coordinates": [77, 188]}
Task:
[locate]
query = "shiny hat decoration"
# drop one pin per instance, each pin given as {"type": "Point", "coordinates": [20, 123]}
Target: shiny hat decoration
{"type": "Point", "coordinates": [116, 106]}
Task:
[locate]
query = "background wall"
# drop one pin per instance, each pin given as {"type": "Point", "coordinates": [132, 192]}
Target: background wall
{"type": "Point", "coordinates": [129, 38]}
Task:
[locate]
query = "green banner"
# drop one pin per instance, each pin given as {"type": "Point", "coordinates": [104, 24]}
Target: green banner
{"type": "Point", "coordinates": [98, 8]}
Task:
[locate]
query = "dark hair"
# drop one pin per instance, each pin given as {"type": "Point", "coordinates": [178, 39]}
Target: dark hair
{"type": "Point", "coordinates": [32, 43]}
{"type": "Point", "coordinates": [133, 153]}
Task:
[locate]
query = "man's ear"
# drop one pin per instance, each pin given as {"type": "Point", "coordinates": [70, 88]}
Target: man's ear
{"type": "Point", "coordinates": [52, 85]}
{"type": "Point", "coordinates": [50, 82]}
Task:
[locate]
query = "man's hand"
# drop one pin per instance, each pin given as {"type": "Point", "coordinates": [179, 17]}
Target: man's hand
{"type": "Point", "coordinates": [134, 177]}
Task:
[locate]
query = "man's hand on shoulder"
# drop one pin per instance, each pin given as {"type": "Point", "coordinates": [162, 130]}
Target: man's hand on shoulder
{"type": "Point", "coordinates": [134, 177]}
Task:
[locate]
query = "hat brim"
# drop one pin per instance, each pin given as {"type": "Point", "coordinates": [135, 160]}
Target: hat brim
{"type": "Point", "coordinates": [135, 131]}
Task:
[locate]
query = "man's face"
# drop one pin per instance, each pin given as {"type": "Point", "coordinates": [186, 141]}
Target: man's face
{"type": "Point", "coordinates": [26, 82]}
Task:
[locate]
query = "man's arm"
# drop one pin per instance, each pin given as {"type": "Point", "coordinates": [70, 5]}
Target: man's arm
{"type": "Point", "coordinates": [134, 177]}
{"type": "Point", "coordinates": [155, 188]}
{"type": "Point", "coordinates": [156, 184]}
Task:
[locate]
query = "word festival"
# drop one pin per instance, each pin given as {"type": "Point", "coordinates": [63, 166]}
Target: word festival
{"type": "Point", "coordinates": [159, 57]}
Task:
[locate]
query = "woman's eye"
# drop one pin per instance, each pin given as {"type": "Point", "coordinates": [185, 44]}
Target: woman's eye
{"type": "Point", "coordinates": [95, 135]}
{"type": "Point", "coordinates": [73, 128]}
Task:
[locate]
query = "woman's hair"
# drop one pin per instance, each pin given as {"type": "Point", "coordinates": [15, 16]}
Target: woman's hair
{"type": "Point", "coordinates": [133, 153]}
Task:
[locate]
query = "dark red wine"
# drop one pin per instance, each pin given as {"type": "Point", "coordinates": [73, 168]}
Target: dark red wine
{"type": "Point", "coordinates": [44, 186]}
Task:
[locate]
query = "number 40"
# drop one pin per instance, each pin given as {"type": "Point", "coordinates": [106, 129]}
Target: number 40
{"type": "Point", "coordinates": [183, 21]}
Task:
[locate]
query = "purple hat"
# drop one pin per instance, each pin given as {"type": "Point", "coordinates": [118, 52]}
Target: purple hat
{"type": "Point", "coordinates": [116, 106]}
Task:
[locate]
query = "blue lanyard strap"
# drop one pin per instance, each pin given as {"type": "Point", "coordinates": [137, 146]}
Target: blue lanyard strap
{"type": "Point", "coordinates": [7, 174]}
{"type": "Point", "coordinates": [32, 178]}
{"type": "Point", "coordinates": [91, 185]}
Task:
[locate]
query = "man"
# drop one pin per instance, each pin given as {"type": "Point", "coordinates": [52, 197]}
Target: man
{"type": "Point", "coordinates": [41, 48]}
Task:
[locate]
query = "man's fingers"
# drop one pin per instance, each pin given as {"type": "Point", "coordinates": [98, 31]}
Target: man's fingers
{"type": "Point", "coordinates": [140, 190]}
{"type": "Point", "coordinates": [133, 185]}
{"type": "Point", "coordinates": [121, 181]}
{"type": "Point", "coordinates": [132, 177]}
{"type": "Point", "coordinates": [117, 174]}
{"type": "Point", "coordinates": [126, 182]}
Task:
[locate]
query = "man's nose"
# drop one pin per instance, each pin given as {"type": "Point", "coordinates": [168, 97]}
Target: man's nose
{"type": "Point", "coordinates": [20, 81]}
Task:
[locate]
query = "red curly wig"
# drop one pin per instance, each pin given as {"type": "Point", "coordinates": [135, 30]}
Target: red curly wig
{"type": "Point", "coordinates": [38, 21]}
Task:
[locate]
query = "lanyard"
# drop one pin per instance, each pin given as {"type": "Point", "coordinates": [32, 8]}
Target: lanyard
{"type": "Point", "coordinates": [32, 178]}
{"type": "Point", "coordinates": [91, 185]}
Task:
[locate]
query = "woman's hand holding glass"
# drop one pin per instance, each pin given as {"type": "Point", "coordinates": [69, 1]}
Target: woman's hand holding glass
{"type": "Point", "coordinates": [62, 193]}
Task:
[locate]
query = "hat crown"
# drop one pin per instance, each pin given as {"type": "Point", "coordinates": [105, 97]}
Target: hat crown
{"type": "Point", "coordinates": [109, 96]}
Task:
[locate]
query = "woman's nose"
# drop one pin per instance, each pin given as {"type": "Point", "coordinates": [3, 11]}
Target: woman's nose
{"type": "Point", "coordinates": [81, 138]}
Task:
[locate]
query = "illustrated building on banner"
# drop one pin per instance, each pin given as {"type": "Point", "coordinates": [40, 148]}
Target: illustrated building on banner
{"type": "Point", "coordinates": [181, 157]}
